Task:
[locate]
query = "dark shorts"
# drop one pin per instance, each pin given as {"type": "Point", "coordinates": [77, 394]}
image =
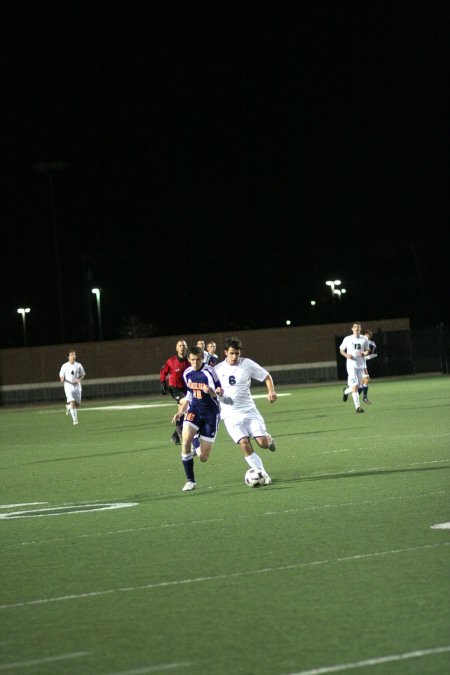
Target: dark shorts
{"type": "Point", "coordinates": [177, 393]}
{"type": "Point", "coordinates": [205, 421]}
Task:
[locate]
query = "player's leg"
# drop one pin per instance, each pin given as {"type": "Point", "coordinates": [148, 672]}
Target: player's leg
{"type": "Point", "coordinates": [365, 387]}
{"type": "Point", "coordinates": [207, 431]}
{"type": "Point", "coordinates": [178, 395]}
{"type": "Point", "coordinates": [187, 457]}
{"type": "Point", "coordinates": [241, 436]}
{"type": "Point", "coordinates": [355, 390]}
{"type": "Point", "coordinates": [258, 430]}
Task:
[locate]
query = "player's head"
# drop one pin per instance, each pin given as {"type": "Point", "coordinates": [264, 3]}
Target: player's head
{"type": "Point", "coordinates": [201, 344]}
{"type": "Point", "coordinates": [211, 347]}
{"type": "Point", "coordinates": [233, 347]}
{"type": "Point", "coordinates": [233, 342]}
{"type": "Point", "coordinates": [368, 333]}
{"type": "Point", "coordinates": [181, 348]}
{"type": "Point", "coordinates": [356, 328]}
{"type": "Point", "coordinates": [71, 355]}
{"type": "Point", "coordinates": [195, 357]}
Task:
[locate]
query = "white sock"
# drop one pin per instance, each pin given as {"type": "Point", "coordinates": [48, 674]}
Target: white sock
{"type": "Point", "coordinates": [254, 461]}
{"type": "Point", "coordinates": [348, 390]}
{"type": "Point", "coordinates": [73, 412]}
{"type": "Point", "coordinates": [355, 396]}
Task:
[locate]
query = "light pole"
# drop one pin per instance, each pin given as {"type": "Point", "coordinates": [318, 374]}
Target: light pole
{"type": "Point", "coordinates": [96, 292]}
{"type": "Point", "coordinates": [24, 311]}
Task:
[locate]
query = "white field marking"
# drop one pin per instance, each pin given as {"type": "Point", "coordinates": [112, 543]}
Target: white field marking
{"type": "Point", "coordinates": [374, 662]}
{"type": "Point", "coordinates": [64, 510]}
{"type": "Point", "coordinates": [370, 469]}
{"type": "Point", "coordinates": [440, 526]}
{"type": "Point", "coordinates": [230, 575]}
{"type": "Point", "coordinates": [208, 521]}
{"type": "Point", "coordinates": [13, 506]}
{"type": "Point", "coordinates": [154, 669]}
{"type": "Point", "coordinates": [39, 662]}
{"type": "Point", "coordinates": [138, 406]}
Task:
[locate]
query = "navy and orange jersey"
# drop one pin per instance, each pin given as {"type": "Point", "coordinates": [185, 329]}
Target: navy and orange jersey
{"type": "Point", "coordinates": [197, 383]}
{"type": "Point", "coordinates": [174, 368]}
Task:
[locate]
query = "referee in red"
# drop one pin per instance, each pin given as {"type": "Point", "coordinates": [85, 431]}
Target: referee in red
{"type": "Point", "coordinates": [172, 382]}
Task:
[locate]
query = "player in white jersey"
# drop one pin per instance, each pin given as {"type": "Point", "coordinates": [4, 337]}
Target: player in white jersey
{"type": "Point", "coordinates": [372, 355]}
{"type": "Point", "coordinates": [237, 408]}
{"type": "Point", "coordinates": [354, 348]}
{"type": "Point", "coordinates": [71, 374]}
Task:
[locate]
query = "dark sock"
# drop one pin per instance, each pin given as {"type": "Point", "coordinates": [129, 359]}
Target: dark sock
{"type": "Point", "coordinates": [188, 465]}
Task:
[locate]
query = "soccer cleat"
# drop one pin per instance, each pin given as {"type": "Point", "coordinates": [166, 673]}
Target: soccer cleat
{"type": "Point", "coordinates": [190, 485]}
{"type": "Point", "coordinates": [67, 410]}
{"type": "Point", "coordinates": [75, 422]}
{"type": "Point", "coordinates": [366, 400]}
{"type": "Point", "coordinates": [175, 438]}
{"type": "Point", "coordinates": [360, 410]}
{"type": "Point", "coordinates": [272, 445]}
{"type": "Point", "coordinates": [344, 395]}
{"type": "Point", "coordinates": [267, 479]}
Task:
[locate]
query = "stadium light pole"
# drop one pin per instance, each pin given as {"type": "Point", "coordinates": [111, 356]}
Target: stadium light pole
{"type": "Point", "coordinates": [24, 311]}
{"type": "Point", "coordinates": [96, 292]}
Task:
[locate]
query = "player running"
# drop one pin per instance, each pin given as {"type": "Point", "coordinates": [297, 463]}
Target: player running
{"type": "Point", "coordinates": [200, 408]}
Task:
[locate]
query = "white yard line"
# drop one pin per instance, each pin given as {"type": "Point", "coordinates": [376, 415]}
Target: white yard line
{"type": "Point", "coordinates": [230, 575]}
{"type": "Point", "coordinates": [207, 521]}
{"type": "Point", "coordinates": [40, 662]}
{"type": "Point", "coordinates": [154, 669]}
{"type": "Point", "coordinates": [373, 662]}
{"type": "Point", "coordinates": [138, 406]}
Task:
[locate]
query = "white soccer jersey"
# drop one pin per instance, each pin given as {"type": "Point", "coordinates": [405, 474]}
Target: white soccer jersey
{"type": "Point", "coordinates": [355, 345]}
{"type": "Point", "coordinates": [236, 381]}
{"type": "Point", "coordinates": [71, 372]}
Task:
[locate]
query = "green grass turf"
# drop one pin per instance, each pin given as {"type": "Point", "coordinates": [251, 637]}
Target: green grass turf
{"type": "Point", "coordinates": [335, 563]}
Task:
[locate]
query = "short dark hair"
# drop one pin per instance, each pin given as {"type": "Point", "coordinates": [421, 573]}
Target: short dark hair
{"type": "Point", "coordinates": [233, 342]}
{"type": "Point", "coordinates": [197, 351]}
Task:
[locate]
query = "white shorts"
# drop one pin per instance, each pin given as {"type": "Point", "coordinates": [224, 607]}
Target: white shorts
{"type": "Point", "coordinates": [252, 425]}
{"type": "Point", "coordinates": [73, 392]}
{"type": "Point", "coordinates": [355, 376]}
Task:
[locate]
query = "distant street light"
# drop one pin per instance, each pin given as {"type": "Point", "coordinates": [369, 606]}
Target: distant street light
{"type": "Point", "coordinates": [288, 323]}
{"type": "Point", "coordinates": [24, 311]}
{"type": "Point", "coordinates": [96, 292]}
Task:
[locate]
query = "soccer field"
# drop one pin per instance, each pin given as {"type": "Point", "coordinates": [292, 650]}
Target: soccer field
{"type": "Point", "coordinates": [341, 565]}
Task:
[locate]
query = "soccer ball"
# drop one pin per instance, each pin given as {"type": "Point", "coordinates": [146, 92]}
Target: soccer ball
{"type": "Point", "coordinates": [254, 478]}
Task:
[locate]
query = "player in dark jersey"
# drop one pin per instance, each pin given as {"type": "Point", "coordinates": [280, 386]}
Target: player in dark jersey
{"type": "Point", "coordinates": [172, 371]}
{"type": "Point", "coordinates": [201, 412]}
{"type": "Point", "coordinates": [212, 359]}
{"type": "Point", "coordinates": [372, 355]}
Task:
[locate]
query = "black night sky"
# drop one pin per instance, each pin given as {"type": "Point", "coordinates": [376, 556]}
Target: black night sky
{"type": "Point", "coordinates": [209, 165]}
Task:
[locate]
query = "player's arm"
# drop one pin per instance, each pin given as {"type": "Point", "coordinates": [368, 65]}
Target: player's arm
{"type": "Point", "coordinates": [163, 378]}
{"type": "Point", "coordinates": [81, 377]}
{"type": "Point", "coordinates": [271, 393]}
{"type": "Point", "coordinates": [345, 354]}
